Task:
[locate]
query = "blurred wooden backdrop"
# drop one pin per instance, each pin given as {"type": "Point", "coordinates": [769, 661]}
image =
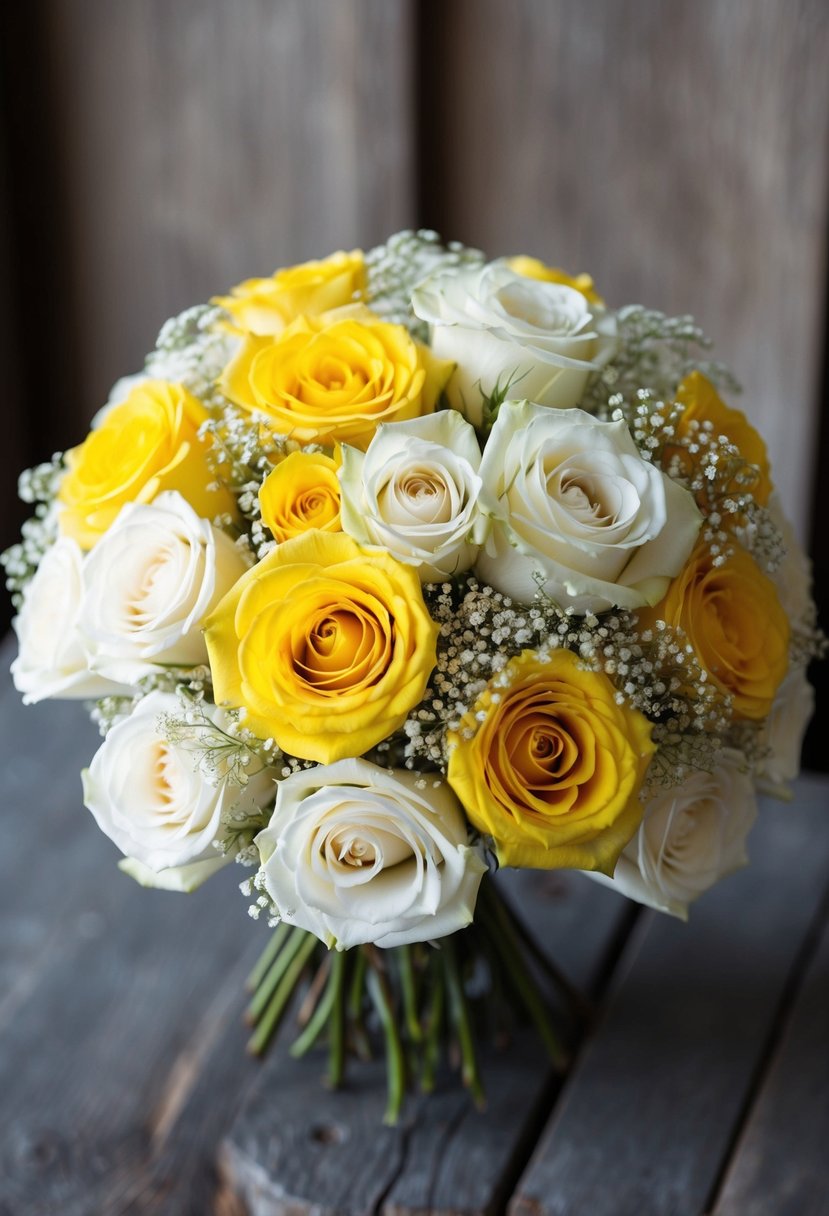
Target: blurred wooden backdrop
{"type": "Point", "coordinates": [156, 151]}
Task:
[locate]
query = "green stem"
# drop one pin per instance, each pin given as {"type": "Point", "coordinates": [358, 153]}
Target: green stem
{"type": "Point", "coordinates": [314, 1026]}
{"type": "Point", "coordinates": [407, 987]}
{"type": "Point", "coordinates": [267, 956]}
{"type": "Point", "coordinates": [355, 992]}
{"type": "Point", "coordinates": [459, 1014]}
{"type": "Point", "coordinates": [509, 948]}
{"type": "Point", "coordinates": [354, 1005]}
{"type": "Point", "coordinates": [336, 1042]}
{"type": "Point", "coordinates": [395, 1064]}
{"type": "Point", "coordinates": [431, 1048]}
{"type": "Point", "coordinates": [504, 909]}
{"type": "Point", "coordinates": [270, 1019]}
{"type": "Point", "coordinates": [275, 972]}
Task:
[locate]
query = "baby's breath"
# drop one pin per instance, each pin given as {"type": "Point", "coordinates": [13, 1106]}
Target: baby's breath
{"type": "Point", "coordinates": [193, 349]}
{"type": "Point", "coordinates": [654, 351]}
{"type": "Point", "coordinates": [395, 268]}
{"type": "Point", "coordinates": [654, 671]}
{"type": "Point", "coordinates": [38, 486]}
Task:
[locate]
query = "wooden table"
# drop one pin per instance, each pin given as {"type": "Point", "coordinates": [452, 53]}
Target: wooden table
{"type": "Point", "coordinates": [702, 1087]}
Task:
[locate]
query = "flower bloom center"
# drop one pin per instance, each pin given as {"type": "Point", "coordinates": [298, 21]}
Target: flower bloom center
{"type": "Point", "coordinates": [343, 648]}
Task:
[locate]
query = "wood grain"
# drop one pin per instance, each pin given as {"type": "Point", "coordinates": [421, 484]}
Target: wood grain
{"type": "Point", "coordinates": [121, 1047]}
{"type": "Point", "coordinates": [676, 151]}
{"type": "Point", "coordinates": [649, 1114]}
{"type": "Point", "coordinates": [203, 142]}
{"type": "Point", "coordinates": [296, 1149]}
{"type": "Point", "coordinates": [779, 1166]}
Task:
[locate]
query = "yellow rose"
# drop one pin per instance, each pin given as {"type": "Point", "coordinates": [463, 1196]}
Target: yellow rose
{"type": "Point", "coordinates": [301, 493]}
{"type": "Point", "coordinates": [333, 379]}
{"type": "Point", "coordinates": [702, 403]}
{"type": "Point", "coordinates": [146, 444]}
{"type": "Point", "coordinates": [267, 306]}
{"type": "Point", "coordinates": [325, 645]}
{"type": "Point", "coordinates": [735, 622]}
{"type": "Point", "coordinates": [534, 268]}
{"type": "Point", "coordinates": [550, 766]}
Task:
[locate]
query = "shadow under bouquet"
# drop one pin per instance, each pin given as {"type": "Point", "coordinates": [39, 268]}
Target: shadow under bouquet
{"type": "Point", "coordinates": [394, 569]}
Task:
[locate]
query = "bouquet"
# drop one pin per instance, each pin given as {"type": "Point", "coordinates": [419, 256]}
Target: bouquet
{"type": "Point", "coordinates": [395, 568]}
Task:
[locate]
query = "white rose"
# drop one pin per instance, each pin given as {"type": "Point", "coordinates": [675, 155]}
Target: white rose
{"type": "Point", "coordinates": [690, 837]}
{"type": "Point", "coordinates": [784, 729]}
{"type": "Point", "coordinates": [357, 854]}
{"type": "Point", "coordinates": [579, 513]}
{"type": "Point", "coordinates": [501, 328]}
{"type": "Point", "coordinates": [416, 492]}
{"type": "Point", "coordinates": [793, 577]}
{"type": "Point", "coordinates": [52, 661]}
{"type": "Point", "coordinates": [150, 581]}
{"type": "Point", "coordinates": [157, 800]}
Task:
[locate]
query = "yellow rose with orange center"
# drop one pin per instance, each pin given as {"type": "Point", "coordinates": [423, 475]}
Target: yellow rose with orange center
{"type": "Point", "coordinates": [335, 378]}
{"type": "Point", "coordinates": [534, 268]}
{"type": "Point", "coordinates": [301, 493]}
{"type": "Point", "coordinates": [145, 445]}
{"type": "Point", "coordinates": [733, 618]}
{"type": "Point", "coordinates": [702, 403]}
{"type": "Point", "coordinates": [550, 766]}
{"type": "Point", "coordinates": [267, 306]}
{"type": "Point", "coordinates": [326, 646]}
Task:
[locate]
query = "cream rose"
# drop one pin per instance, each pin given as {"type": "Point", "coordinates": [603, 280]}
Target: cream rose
{"type": "Point", "coordinates": [691, 837]}
{"type": "Point", "coordinates": [150, 582]}
{"type": "Point", "coordinates": [51, 660]}
{"type": "Point", "coordinates": [355, 853]}
{"type": "Point", "coordinates": [783, 732]}
{"type": "Point", "coordinates": [156, 800]}
{"type": "Point", "coordinates": [416, 491]}
{"type": "Point", "coordinates": [501, 328]}
{"type": "Point", "coordinates": [579, 514]}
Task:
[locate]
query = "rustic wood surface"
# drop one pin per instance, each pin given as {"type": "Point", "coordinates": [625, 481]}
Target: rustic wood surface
{"type": "Point", "coordinates": [125, 1088]}
{"type": "Point", "coordinates": [650, 1113]}
{"type": "Point", "coordinates": [121, 1047]}
{"type": "Point", "coordinates": [443, 1152]}
{"type": "Point", "coordinates": [202, 142]}
{"type": "Point", "coordinates": [676, 151]}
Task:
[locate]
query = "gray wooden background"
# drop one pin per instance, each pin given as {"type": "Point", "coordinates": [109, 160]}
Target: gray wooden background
{"type": "Point", "coordinates": [157, 151]}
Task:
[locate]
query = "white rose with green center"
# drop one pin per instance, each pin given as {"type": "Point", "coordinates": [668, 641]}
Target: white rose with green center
{"type": "Point", "coordinates": [500, 328]}
{"type": "Point", "coordinates": [416, 491]}
{"type": "Point", "coordinates": [355, 854]}
{"type": "Point", "coordinates": [579, 514]}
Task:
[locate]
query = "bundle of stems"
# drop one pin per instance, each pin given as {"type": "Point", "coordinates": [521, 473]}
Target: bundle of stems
{"type": "Point", "coordinates": [423, 1002]}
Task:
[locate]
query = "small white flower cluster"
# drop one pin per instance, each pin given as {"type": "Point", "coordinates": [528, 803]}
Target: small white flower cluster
{"type": "Point", "coordinates": [255, 888]}
{"type": "Point", "coordinates": [656, 351]}
{"type": "Point", "coordinates": [192, 349]}
{"type": "Point", "coordinates": [38, 486]}
{"type": "Point", "coordinates": [567, 487]}
{"type": "Point", "coordinates": [395, 269]}
{"type": "Point", "coordinates": [711, 467]}
{"type": "Point", "coordinates": [655, 671]}
{"type": "Point", "coordinates": [241, 456]}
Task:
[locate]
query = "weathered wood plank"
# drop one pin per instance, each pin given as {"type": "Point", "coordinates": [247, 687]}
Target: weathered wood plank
{"type": "Point", "coordinates": [779, 1167]}
{"type": "Point", "coordinates": [676, 151]}
{"type": "Point", "coordinates": [647, 1118]}
{"type": "Point", "coordinates": [121, 1049]}
{"type": "Point", "coordinates": [296, 1149]}
{"type": "Point", "coordinates": [204, 142]}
